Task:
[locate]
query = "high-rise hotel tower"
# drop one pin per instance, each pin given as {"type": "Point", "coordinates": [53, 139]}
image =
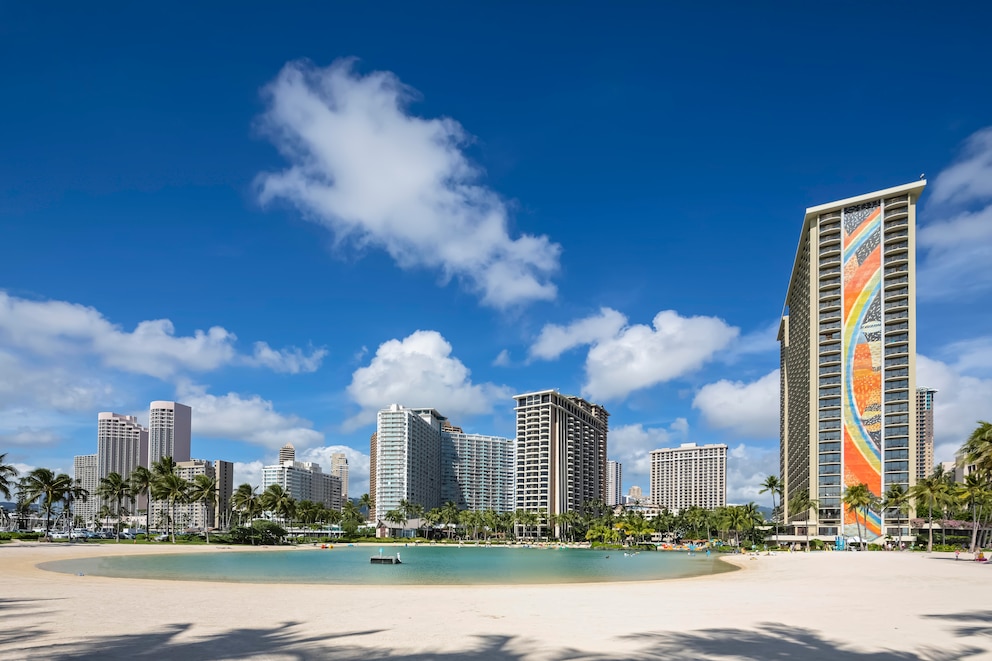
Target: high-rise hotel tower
{"type": "Point", "coordinates": [848, 347]}
{"type": "Point", "coordinates": [561, 452]}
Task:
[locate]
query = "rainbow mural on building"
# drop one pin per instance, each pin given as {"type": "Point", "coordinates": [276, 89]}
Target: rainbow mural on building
{"type": "Point", "coordinates": [862, 342]}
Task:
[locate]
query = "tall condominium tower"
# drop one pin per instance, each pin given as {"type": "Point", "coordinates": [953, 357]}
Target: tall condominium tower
{"type": "Point", "coordinates": [689, 476]}
{"type": "Point", "coordinates": [561, 452]}
{"type": "Point", "coordinates": [614, 482]}
{"type": "Point", "coordinates": [169, 431]}
{"type": "Point", "coordinates": [85, 475]}
{"type": "Point", "coordinates": [477, 471]}
{"type": "Point", "coordinates": [924, 432]}
{"type": "Point", "coordinates": [224, 473]}
{"type": "Point", "coordinates": [407, 458]}
{"type": "Point", "coordinates": [373, 454]}
{"type": "Point", "coordinates": [287, 453]}
{"type": "Point", "coordinates": [848, 347]}
{"type": "Point", "coordinates": [339, 468]}
{"type": "Point", "coordinates": [121, 444]}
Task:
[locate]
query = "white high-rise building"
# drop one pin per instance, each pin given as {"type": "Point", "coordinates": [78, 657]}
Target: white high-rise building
{"type": "Point", "coordinates": [407, 458]}
{"type": "Point", "coordinates": [287, 453]}
{"type": "Point", "coordinates": [339, 468]}
{"type": "Point", "coordinates": [169, 431]}
{"type": "Point", "coordinates": [304, 480]}
{"type": "Point", "coordinates": [477, 471]}
{"type": "Point", "coordinates": [85, 475]}
{"type": "Point", "coordinates": [689, 476]}
{"type": "Point", "coordinates": [121, 445]}
{"type": "Point", "coordinates": [561, 452]}
{"type": "Point", "coordinates": [614, 482]}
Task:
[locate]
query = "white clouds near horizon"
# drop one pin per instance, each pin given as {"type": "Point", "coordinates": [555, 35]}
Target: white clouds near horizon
{"type": "Point", "coordinates": [362, 165]}
{"type": "Point", "coordinates": [246, 418]}
{"type": "Point", "coordinates": [623, 358]}
{"type": "Point", "coordinates": [53, 329]}
{"type": "Point", "coordinates": [420, 371]}
{"type": "Point", "coordinates": [749, 410]}
{"type": "Point", "coordinates": [631, 445]}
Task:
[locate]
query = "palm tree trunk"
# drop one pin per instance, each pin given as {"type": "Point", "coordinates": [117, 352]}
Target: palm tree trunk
{"type": "Point", "coordinates": [974, 524]}
{"type": "Point", "coordinates": [930, 541]}
{"type": "Point", "coordinates": [172, 520]}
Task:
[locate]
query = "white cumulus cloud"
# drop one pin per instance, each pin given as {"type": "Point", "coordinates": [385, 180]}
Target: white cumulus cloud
{"type": "Point", "coordinates": [358, 465]}
{"type": "Point", "coordinates": [747, 468]}
{"type": "Point", "coordinates": [748, 410]}
{"type": "Point", "coordinates": [961, 401]}
{"type": "Point", "coordinates": [631, 445]}
{"type": "Point", "coordinates": [52, 329]}
{"type": "Point", "coordinates": [623, 358]}
{"type": "Point", "coordinates": [958, 243]}
{"type": "Point", "coordinates": [419, 371]}
{"type": "Point", "coordinates": [248, 472]}
{"type": "Point", "coordinates": [379, 176]}
{"type": "Point", "coordinates": [252, 419]}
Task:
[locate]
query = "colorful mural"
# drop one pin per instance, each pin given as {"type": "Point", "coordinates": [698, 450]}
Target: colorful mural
{"type": "Point", "coordinates": [862, 342]}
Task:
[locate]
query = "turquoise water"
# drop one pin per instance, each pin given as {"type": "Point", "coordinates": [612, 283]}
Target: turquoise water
{"type": "Point", "coordinates": [424, 565]}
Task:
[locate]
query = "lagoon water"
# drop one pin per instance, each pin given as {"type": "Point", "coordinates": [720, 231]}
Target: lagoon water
{"type": "Point", "coordinates": [422, 565]}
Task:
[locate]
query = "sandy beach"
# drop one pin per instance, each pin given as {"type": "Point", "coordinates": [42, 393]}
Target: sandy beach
{"type": "Point", "coordinates": [873, 606]}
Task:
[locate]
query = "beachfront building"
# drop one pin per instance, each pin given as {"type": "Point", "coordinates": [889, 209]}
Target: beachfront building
{"type": "Point", "coordinates": [84, 474]}
{"type": "Point", "coordinates": [121, 444]}
{"type": "Point", "coordinates": [304, 480]}
{"type": "Point", "coordinates": [339, 468]}
{"type": "Point", "coordinates": [848, 348]}
{"type": "Point", "coordinates": [614, 482]}
{"type": "Point", "coordinates": [561, 453]}
{"type": "Point", "coordinates": [169, 431]}
{"type": "Point", "coordinates": [201, 516]}
{"type": "Point", "coordinates": [407, 459]}
{"type": "Point", "coordinates": [477, 471]}
{"type": "Point", "coordinates": [924, 432]}
{"type": "Point", "coordinates": [287, 453]}
{"type": "Point", "coordinates": [689, 476]}
{"type": "Point", "coordinates": [373, 452]}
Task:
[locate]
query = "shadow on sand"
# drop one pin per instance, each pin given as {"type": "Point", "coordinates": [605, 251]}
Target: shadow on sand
{"type": "Point", "coordinates": [20, 638]}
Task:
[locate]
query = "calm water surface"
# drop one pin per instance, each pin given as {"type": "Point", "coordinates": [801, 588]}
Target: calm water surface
{"type": "Point", "coordinates": [422, 565]}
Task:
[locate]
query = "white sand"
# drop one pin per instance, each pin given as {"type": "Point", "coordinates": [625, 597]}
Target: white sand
{"type": "Point", "coordinates": [877, 606]}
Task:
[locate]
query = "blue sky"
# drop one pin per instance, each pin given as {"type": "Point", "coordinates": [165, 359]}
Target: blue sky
{"type": "Point", "coordinates": [288, 217]}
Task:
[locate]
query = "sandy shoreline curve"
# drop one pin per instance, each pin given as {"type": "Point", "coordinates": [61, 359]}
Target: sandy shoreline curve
{"type": "Point", "coordinates": [876, 606]}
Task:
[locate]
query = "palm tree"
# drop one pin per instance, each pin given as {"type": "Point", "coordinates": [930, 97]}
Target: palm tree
{"type": "Point", "coordinates": [75, 492]}
{"type": "Point", "coordinates": [526, 519]}
{"type": "Point", "coordinates": [245, 501]}
{"type": "Point", "coordinates": [277, 500]}
{"type": "Point", "coordinates": [801, 502]}
{"type": "Point", "coordinates": [773, 485]}
{"type": "Point", "coordinates": [976, 492]}
{"type": "Point", "coordinates": [397, 517]}
{"type": "Point", "coordinates": [7, 471]}
{"type": "Point", "coordinates": [858, 498]}
{"type": "Point", "coordinates": [204, 491]}
{"type": "Point", "coordinates": [977, 449]}
{"type": "Point", "coordinates": [115, 489]}
{"type": "Point", "coordinates": [366, 502]}
{"type": "Point", "coordinates": [173, 489]}
{"type": "Point", "coordinates": [44, 484]}
{"type": "Point", "coordinates": [930, 492]}
{"type": "Point", "coordinates": [141, 485]}
{"type": "Point", "coordinates": [450, 516]}
{"type": "Point", "coordinates": [895, 501]}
